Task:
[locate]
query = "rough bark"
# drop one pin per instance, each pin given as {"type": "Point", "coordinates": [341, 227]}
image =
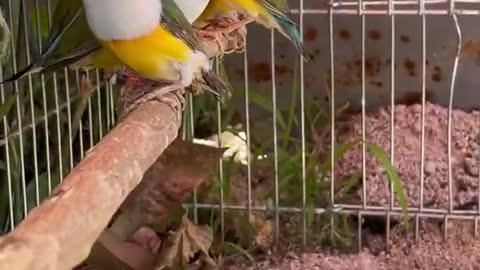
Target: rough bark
{"type": "Point", "coordinates": [61, 231]}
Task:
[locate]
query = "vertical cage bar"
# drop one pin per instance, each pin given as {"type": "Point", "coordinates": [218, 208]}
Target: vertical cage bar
{"type": "Point", "coordinates": [59, 133]}
{"type": "Point", "coordinates": [359, 231]}
{"type": "Point", "coordinates": [108, 88]}
{"type": "Point", "coordinates": [80, 123]}
{"type": "Point", "coordinates": [450, 117]}
{"type": "Point", "coordinates": [220, 162]}
{"type": "Point", "coordinates": [332, 112]}
{"type": "Point", "coordinates": [19, 110]}
{"type": "Point", "coordinates": [363, 101]}
{"type": "Point", "coordinates": [275, 136]}
{"type": "Point", "coordinates": [69, 118]}
{"type": "Point", "coordinates": [112, 105]}
{"type": "Point", "coordinates": [90, 117]}
{"type": "Point", "coordinates": [391, 7]}
{"type": "Point", "coordinates": [7, 158]}
{"type": "Point", "coordinates": [32, 107]}
{"type": "Point", "coordinates": [304, 146]}
{"type": "Point", "coordinates": [55, 91]}
{"type": "Point", "coordinates": [99, 104]}
{"type": "Point", "coordinates": [44, 100]}
{"type": "Point", "coordinates": [247, 128]}
{"type": "Point", "coordinates": [191, 136]}
{"type": "Point", "coordinates": [423, 122]}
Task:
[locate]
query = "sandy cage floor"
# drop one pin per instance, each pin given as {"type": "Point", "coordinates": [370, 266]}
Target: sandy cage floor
{"type": "Point", "coordinates": [460, 250]}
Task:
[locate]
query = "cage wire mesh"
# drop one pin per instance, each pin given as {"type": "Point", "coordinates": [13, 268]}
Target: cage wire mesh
{"type": "Point", "coordinates": [50, 125]}
{"type": "Point", "coordinates": [290, 178]}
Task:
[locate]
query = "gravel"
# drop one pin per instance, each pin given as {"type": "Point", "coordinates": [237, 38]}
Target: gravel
{"type": "Point", "coordinates": [461, 250]}
{"type": "Point", "coordinates": [407, 154]}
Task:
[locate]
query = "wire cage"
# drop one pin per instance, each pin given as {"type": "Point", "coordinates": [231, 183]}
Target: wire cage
{"type": "Point", "coordinates": [324, 140]}
{"type": "Point", "coordinates": [50, 125]}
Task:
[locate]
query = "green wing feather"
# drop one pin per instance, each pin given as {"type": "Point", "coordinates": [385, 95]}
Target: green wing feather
{"type": "Point", "coordinates": [175, 21]}
{"type": "Point", "coordinates": [69, 39]}
{"type": "Point", "coordinates": [281, 5]}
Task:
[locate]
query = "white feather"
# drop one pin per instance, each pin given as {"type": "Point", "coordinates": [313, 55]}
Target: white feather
{"type": "Point", "coordinates": [122, 19]}
{"type": "Point", "coordinates": [192, 8]}
{"type": "Point", "coordinates": [198, 62]}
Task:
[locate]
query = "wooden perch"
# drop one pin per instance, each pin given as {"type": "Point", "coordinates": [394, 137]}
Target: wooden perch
{"type": "Point", "coordinates": [61, 231]}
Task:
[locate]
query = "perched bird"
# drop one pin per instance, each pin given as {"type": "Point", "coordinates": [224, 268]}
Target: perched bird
{"type": "Point", "coordinates": [72, 44]}
{"type": "Point", "coordinates": [269, 13]}
{"type": "Point", "coordinates": [155, 40]}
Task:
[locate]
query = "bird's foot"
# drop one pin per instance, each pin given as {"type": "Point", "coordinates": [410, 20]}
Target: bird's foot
{"type": "Point", "coordinates": [209, 34]}
{"type": "Point", "coordinates": [133, 81]}
{"type": "Point", "coordinates": [160, 92]}
{"type": "Point", "coordinates": [112, 78]}
{"type": "Point", "coordinates": [215, 36]}
{"type": "Point", "coordinates": [227, 25]}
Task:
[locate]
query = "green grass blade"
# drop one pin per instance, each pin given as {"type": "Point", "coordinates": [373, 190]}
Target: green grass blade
{"type": "Point", "coordinates": [393, 177]}
{"type": "Point", "coordinates": [7, 106]}
{"type": "Point", "coordinates": [340, 151]}
{"type": "Point", "coordinates": [238, 249]}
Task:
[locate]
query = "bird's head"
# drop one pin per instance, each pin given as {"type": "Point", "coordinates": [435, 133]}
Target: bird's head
{"type": "Point", "coordinates": [122, 19]}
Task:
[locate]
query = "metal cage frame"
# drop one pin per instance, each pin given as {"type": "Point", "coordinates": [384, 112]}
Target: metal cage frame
{"type": "Point", "coordinates": [391, 8]}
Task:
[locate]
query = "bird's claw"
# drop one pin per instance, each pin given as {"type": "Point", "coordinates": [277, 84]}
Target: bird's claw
{"type": "Point", "coordinates": [228, 25]}
{"type": "Point", "coordinates": [159, 93]}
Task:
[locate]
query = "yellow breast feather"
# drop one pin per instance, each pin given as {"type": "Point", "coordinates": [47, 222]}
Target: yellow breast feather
{"type": "Point", "coordinates": [223, 8]}
{"type": "Point", "coordinates": [152, 55]}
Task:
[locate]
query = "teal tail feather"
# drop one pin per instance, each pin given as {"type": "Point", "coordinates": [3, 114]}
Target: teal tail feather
{"type": "Point", "coordinates": [289, 29]}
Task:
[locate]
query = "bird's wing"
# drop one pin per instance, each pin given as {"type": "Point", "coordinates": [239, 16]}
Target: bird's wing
{"type": "Point", "coordinates": [275, 7]}
{"type": "Point", "coordinates": [281, 5]}
{"type": "Point", "coordinates": [65, 14]}
{"type": "Point", "coordinates": [74, 56]}
{"type": "Point", "coordinates": [174, 20]}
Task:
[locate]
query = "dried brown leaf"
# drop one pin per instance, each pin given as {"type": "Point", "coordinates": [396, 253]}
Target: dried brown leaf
{"type": "Point", "coordinates": [109, 252]}
{"type": "Point", "coordinates": [186, 249]}
{"type": "Point", "coordinates": [171, 179]}
{"type": "Point", "coordinates": [166, 185]}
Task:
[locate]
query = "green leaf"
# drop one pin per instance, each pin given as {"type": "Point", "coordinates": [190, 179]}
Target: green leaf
{"type": "Point", "coordinates": [310, 213]}
{"type": "Point", "coordinates": [238, 249]}
{"type": "Point", "coordinates": [3, 165]}
{"type": "Point", "coordinates": [266, 104]}
{"type": "Point", "coordinates": [7, 106]}
{"type": "Point", "coordinates": [340, 151]}
{"type": "Point", "coordinates": [393, 177]}
{"type": "Point", "coordinates": [349, 184]}
{"type": "Point", "coordinates": [5, 38]}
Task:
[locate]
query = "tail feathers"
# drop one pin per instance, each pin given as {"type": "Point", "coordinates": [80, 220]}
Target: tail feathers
{"type": "Point", "coordinates": [32, 68]}
{"type": "Point", "coordinates": [38, 64]}
{"type": "Point", "coordinates": [215, 85]}
{"type": "Point", "coordinates": [289, 29]}
{"type": "Point", "coordinates": [51, 45]}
